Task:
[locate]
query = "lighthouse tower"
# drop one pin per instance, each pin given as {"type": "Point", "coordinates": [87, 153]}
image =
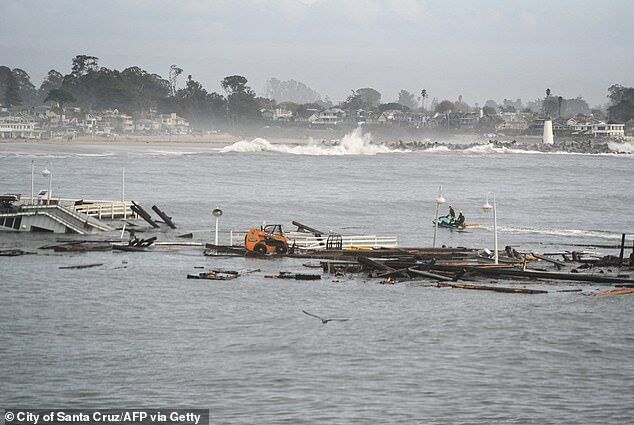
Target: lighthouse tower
{"type": "Point", "coordinates": [547, 138]}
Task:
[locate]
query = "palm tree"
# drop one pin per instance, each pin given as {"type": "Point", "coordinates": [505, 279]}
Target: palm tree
{"type": "Point", "coordinates": [423, 95]}
{"type": "Point", "coordinates": [559, 102]}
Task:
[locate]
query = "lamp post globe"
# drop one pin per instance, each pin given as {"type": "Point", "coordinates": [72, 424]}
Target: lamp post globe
{"type": "Point", "coordinates": [46, 172]}
{"type": "Point", "coordinates": [217, 212]}
{"type": "Point", "coordinates": [439, 201]}
{"type": "Point", "coordinates": [487, 207]}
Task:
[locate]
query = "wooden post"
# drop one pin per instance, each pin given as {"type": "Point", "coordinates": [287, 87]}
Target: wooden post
{"type": "Point", "coordinates": [167, 219]}
{"type": "Point", "coordinates": [622, 249]}
{"type": "Point", "coordinates": [143, 214]}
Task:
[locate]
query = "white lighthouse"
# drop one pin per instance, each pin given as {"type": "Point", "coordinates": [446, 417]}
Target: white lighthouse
{"type": "Point", "coordinates": [547, 138]}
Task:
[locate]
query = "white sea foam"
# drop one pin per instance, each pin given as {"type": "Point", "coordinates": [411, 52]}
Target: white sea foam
{"type": "Point", "coordinates": [491, 149]}
{"type": "Point", "coordinates": [621, 147]}
{"type": "Point", "coordinates": [573, 233]}
{"type": "Point", "coordinates": [353, 143]}
{"type": "Point", "coordinates": [439, 148]}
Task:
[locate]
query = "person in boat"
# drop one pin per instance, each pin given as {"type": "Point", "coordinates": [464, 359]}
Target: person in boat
{"type": "Point", "coordinates": [452, 214]}
{"type": "Point", "coordinates": [460, 220]}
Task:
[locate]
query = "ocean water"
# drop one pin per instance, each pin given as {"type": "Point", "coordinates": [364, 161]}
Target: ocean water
{"type": "Point", "coordinates": [136, 332]}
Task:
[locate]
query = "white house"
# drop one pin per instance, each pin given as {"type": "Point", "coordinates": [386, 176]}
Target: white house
{"type": "Point", "coordinates": [18, 128]}
{"type": "Point", "coordinates": [608, 130]}
{"type": "Point", "coordinates": [330, 116]}
{"type": "Point", "coordinates": [174, 124]}
{"type": "Point", "coordinates": [512, 121]}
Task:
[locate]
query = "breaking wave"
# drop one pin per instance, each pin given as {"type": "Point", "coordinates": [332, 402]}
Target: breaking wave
{"type": "Point", "coordinates": [353, 143]}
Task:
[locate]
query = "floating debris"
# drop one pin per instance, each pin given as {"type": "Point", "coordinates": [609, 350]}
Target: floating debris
{"type": "Point", "coordinates": [14, 252]}
{"type": "Point", "coordinates": [296, 276]}
{"type": "Point", "coordinates": [491, 288]}
{"type": "Point", "coordinates": [81, 266]}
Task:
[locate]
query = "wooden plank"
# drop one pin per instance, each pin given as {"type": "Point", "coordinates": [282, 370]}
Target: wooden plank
{"type": "Point", "coordinates": [532, 274]}
{"type": "Point", "coordinates": [491, 288]}
{"type": "Point", "coordinates": [167, 219]}
{"type": "Point", "coordinates": [136, 208]}
{"type": "Point", "coordinates": [559, 264]}
{"type": "Point", "coordinates": [81, 266]}
{"type": "Point", "coordinates": [430, 275]}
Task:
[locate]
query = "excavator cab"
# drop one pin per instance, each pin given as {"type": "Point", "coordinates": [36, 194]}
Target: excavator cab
{"type": "Point", "coordinates": [269, 239]}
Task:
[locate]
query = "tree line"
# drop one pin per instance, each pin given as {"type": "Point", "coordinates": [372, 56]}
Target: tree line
{"type": "Point", "coordinates": [137, 92]}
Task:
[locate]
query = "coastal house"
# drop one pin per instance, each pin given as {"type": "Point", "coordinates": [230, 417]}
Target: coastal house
{"type": "Point", "coordinates": [608, 130]}
{"type": "Point", "coordinates": [512, 121]}
{"type": "Point", "coordinates": [468, 120]}
{"type": "Point", "coordinates": [147, 125]}
{"type": "Point", "coordinates": [589, 126]}
{"type": "Point", "coordinates": [277, 114]}
{"type": "Point", "coordinates": [173, 124]}
{"type": "Point", "coordinates": [330, 116]}
{"type": "Point", "coordinates": [390, 116]}
{"type": "Point", "coordinates": [19, 127]}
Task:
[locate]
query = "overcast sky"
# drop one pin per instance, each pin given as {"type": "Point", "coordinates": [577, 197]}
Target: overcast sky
{"type": "Point", "coordinates": [481, 49]}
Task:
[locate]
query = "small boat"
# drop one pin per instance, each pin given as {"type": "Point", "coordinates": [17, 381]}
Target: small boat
{"type": "Point", "coordinates": [447, 222]}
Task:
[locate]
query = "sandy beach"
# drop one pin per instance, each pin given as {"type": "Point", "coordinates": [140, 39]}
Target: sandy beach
{"type": "Point", "coordinates": [219, 140]}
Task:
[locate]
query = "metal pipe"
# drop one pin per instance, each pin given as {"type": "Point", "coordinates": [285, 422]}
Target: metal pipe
{"type": "Point", "coordinates": [32, 179]}
{"type": "Point", "coordinates": [495, 230]}
{"type": "Point", "coordinates": [436, 225]}
{"type": "Point", "coordinates": [50, 182]}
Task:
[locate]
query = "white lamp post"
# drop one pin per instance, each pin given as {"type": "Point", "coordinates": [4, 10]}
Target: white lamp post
{"type": "Point", "coordinates": [217, 212]}
{"type": "Point", "coordinates": [439, 201]}
{"type": "Point", "coordinates": [486, 208]}
{"type": "Point", "coordinates": [46, 172]}
{"type": "Point", "coordinates": [32, 179]}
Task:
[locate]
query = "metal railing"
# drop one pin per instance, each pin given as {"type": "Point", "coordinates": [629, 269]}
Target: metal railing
{"type": "Point", "coordinates": [107, 210]}
{"type": "Point", "coordinates": [307, 241]}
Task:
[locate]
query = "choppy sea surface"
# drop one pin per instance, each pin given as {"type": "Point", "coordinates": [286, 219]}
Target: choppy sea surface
{"type": "Point", "coordinates": [136, 333]}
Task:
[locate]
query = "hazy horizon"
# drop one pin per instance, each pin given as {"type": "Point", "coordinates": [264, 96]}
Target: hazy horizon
{"type": "Point", "coordinates": [489, 50]}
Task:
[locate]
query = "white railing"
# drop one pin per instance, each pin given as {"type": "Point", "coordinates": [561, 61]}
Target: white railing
{"type": "Point", "coordinates": [104, 210]}
{"type": "Point", "coordinates": [310, 242]}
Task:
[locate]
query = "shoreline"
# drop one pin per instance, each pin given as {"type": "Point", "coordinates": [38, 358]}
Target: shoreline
{"type": "Point", "coordinates": [208, 141]}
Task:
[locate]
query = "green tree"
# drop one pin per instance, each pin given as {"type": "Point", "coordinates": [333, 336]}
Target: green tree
{"type": "Point", "coordinates": [59, 96]}
{"type": "Point", "coordinates": [392, 106]}
{"type": "Point", "coordinates": [54, 80]}
{"type": "Point", "coordinates": [241, 101]}
{"type": "Point", "coordinates": [445, 106]}
{"type": "Point", "coordinates": [370, 98]}
{"type": "Point", "coordinates": [83, 64]}
{"type": "Point", "coordinates": [488, 110]}
{"type": "Point", "coordinates": [423, 96]}
{"type": "Point", "coordinates": [622, 103]}
{"type": "Point", "coordinates": [9, 88]}
{"type": "Point", "coordinates": [406, 98]}
{"type": "Point", "coordinates": [174, 72]}
{"type": "Point", "coordinates": [234, 84]}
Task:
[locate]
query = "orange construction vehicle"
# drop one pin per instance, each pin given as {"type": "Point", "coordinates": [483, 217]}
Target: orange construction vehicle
{"type": "Point", "coordinates": [266, 240]}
